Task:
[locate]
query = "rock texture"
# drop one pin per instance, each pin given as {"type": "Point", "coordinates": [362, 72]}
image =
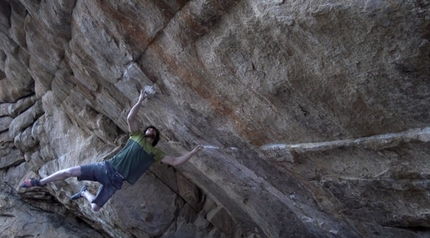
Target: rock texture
{"type": "Point", "coordinates": [314, 115]}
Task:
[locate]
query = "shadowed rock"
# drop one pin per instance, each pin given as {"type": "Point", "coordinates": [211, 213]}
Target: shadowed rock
{"type": "Point", "coordinates": [314, 115]}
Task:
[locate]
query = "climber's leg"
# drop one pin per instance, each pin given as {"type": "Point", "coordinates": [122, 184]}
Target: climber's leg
{"type": "Point", "coordinates": [105, 174]}
{"type": "Point", "coordinates": [90, 197]}
{"type": "Point", "coordinates": [57, 176]}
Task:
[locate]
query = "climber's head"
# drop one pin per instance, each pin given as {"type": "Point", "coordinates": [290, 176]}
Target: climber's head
{"type": "Point", "coordinates": [153, 134]}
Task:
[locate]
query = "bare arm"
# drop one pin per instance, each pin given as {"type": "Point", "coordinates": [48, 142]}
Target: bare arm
{"type": "Point", "coordinates": [181, 159]}
{"type": "Point", "coordinates": [133, 124]}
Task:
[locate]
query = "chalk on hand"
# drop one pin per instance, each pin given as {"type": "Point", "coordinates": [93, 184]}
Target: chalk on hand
{"type": "Point", "coordinates": [149, 91]}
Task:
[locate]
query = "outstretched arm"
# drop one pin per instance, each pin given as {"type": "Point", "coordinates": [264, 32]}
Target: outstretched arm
{"type": "Point", "coordinates": [133, 124]}
{"type": "Point", "coordinates": [181, 159]}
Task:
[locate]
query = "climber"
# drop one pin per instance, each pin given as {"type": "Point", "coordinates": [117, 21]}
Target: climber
{"type": "Point", "coordinates": [129, 164]}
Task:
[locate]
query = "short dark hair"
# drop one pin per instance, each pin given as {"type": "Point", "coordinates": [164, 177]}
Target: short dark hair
{"type": "Point", "coordinates": [157, 135]}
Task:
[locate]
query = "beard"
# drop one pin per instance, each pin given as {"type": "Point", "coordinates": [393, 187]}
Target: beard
{"type": "Point", "coordinates": [150, 136]}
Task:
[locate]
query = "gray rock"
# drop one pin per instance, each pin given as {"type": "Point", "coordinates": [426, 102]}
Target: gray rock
{"type": "Point", "coordinates": [314, 115]}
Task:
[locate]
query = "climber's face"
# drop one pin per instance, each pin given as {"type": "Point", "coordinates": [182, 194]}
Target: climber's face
{"type": "Point", "coordinates": [150, 133]}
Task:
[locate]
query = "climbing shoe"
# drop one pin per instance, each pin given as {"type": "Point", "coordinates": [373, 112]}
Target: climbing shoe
{"type": "Point", "coordinates": [31, 183]}
{"type": "Point", "coordinates": [79, 194]}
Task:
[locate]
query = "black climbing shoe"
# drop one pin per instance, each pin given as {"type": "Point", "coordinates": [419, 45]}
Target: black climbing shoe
{"type": "Point", "coordinates": [31, 183]}
{"type": "Point", "coordinates": [79, 194]}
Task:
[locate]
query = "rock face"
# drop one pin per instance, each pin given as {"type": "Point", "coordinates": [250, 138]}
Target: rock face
{"type": "Point", "coordinates": [314, 115]}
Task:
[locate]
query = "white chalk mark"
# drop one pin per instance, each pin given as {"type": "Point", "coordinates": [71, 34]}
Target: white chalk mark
{"type": "Point", "coordinates": [273, 146]}
{"type": "Point", "coordinates": [376, 141]}
{"type": "Point", "coordinates": [211, 147]}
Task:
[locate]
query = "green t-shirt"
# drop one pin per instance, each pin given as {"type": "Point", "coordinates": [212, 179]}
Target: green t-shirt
{"type": "Point", "coordinates": [136, 157]}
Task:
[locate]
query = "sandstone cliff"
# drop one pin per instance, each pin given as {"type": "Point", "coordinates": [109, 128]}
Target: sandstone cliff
{"type": "Point", "coordinates": [314, 114]}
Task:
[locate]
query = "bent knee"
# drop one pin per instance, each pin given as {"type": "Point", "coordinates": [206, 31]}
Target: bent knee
{"type": "Point", "coordinates": [95, 207]}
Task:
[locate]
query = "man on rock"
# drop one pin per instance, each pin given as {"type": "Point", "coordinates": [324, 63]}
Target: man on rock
{"type": "Point", "coordinates": [129, 164]}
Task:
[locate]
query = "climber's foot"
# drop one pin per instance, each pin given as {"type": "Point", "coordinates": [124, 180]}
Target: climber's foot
{"type": "Point", "coordinates": [31, 183]}
{"type": "Point", "coordinates": [79, 194]}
